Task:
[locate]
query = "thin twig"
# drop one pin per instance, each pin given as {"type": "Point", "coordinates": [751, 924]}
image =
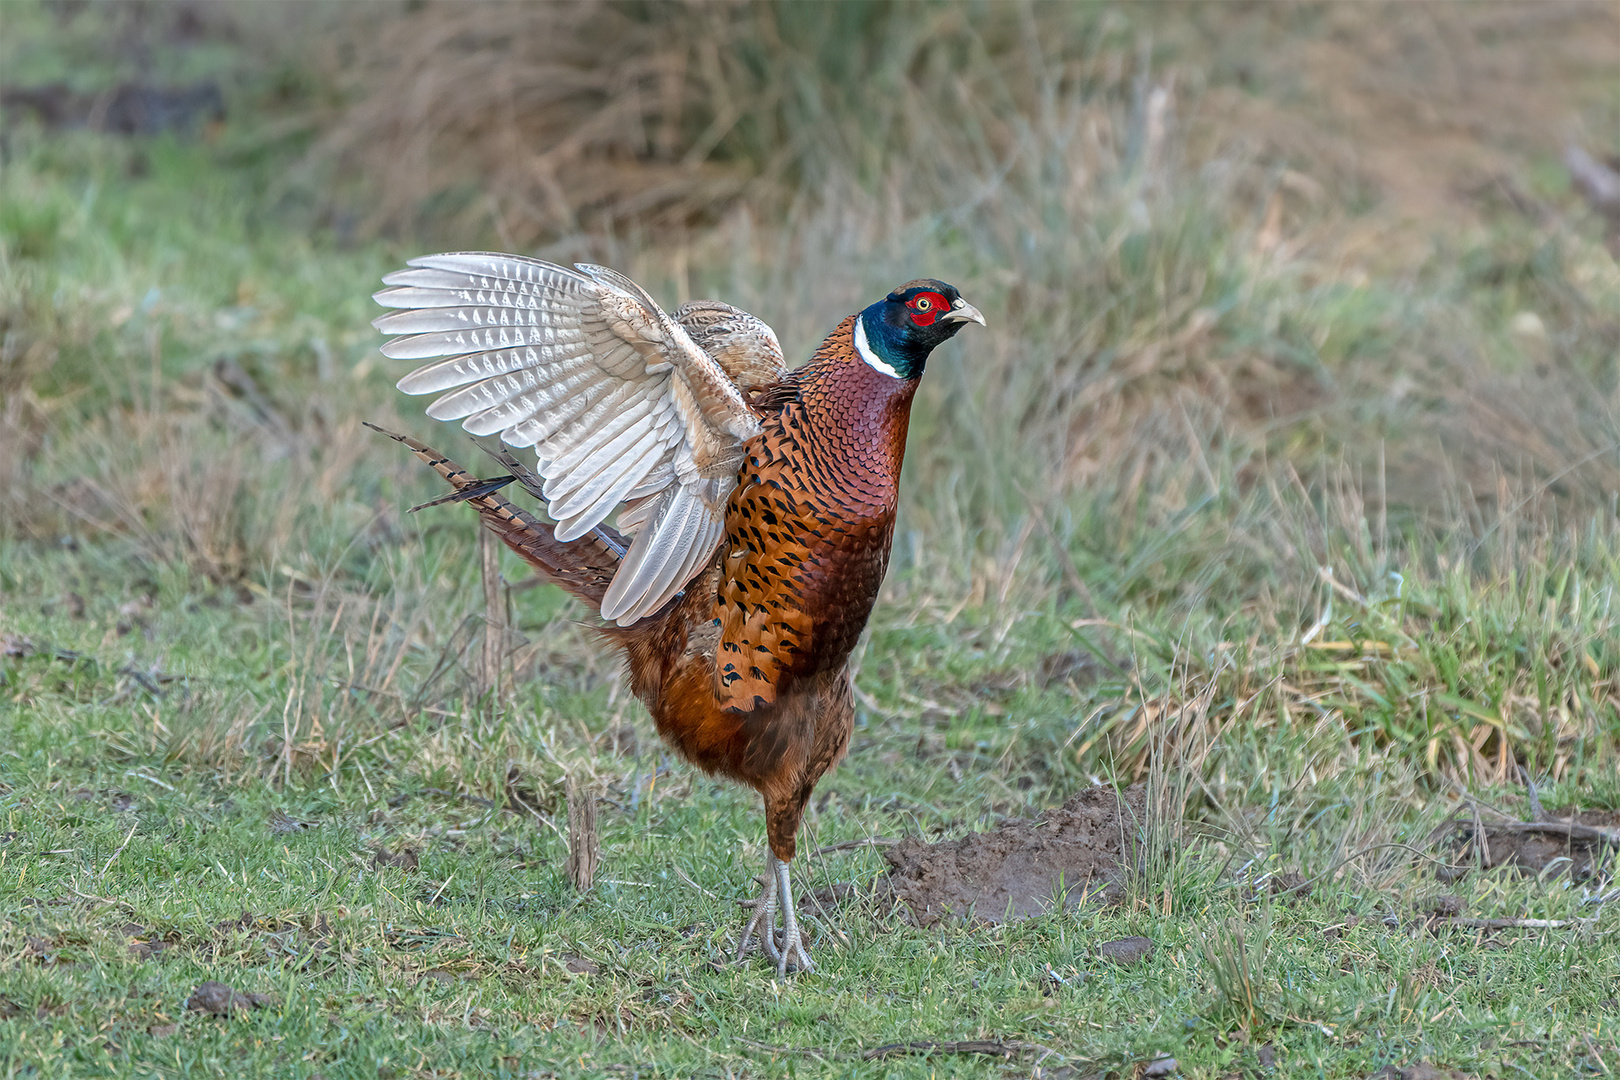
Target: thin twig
{"type": "Point", "coordinates": [850, 845]}
{"type": "Point", "coordinates": [803, 1051]}
{"type": "Point", "coordinates": [1570, 830]}
{"type": "Point", "coordinates": [395, 694]}
{"type": "Point", "coordinates": [584, 846]}
{"type": "Point", "coordinates": [149, 779]}
{"type": "Point", "coordinates": [684, 876]}
{"type": "Point", "coordinates": [1511, 924]}
{"type": "Point", "coordinates": [489, 674]}
{"type": "Point", "coordinates": [1071, 572]}
{"type": "Point", "coordinates": [1353, 856]}
{"type": "Point", "coordinates": [1542, 488]}
{"type": "Point", "coordinates": [102, 899]}
{"type": "Point", "coordinates": [991, 1047]}
{"type": "Point", "coordinates": [119, 852]}
{"type": "Point", "coordinates": [474, 799]}
{"type": "Point", "coordinates": [1536, 812]}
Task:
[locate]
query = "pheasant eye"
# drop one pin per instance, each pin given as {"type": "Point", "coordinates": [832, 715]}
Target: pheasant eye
{"type": "Point", "coordinates": [923, 303]}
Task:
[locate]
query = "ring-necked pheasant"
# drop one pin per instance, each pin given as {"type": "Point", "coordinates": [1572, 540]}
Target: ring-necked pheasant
{"type": "Point", "coordinates": [755, 504]}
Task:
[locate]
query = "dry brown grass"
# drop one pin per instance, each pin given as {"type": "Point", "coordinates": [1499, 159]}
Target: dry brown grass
{"type": "Point", "coordinates": [539, 121]}
{"type": "Point", "coordinates": [193, 484]}
{"type": "Point", "coordinates": [1200, 389]}
{"type": "Point", "coordinates": [540, 118]}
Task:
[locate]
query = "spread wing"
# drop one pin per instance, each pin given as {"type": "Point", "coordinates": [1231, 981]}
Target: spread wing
{"type": "Point", "coordinates": [741, 343]}
{"type": "Point", "coordinates": [619, 402]}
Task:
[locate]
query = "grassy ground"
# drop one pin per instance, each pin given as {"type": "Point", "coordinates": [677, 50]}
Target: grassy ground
{"type": "Point", "coordinates": [1279, 474]}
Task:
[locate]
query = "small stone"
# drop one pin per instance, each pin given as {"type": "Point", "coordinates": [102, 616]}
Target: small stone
{"type": "Point", "coordinates": [1444, 906]}
{"type": "Point", "coordinates": [1527, 324]}
{"type": "Point", "coordinates": [1163, 1065]}
{"type": "Point", "coordinates": [1127, 951]}
{"type": "Point", "coordinates": [405, 859]}
{"type": "Point", "coordinates": [580, 966]}
{"type": "Point", "coordinates": [218, 999]}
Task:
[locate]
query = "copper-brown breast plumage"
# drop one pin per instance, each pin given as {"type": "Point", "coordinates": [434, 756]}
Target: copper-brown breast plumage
{"type": "Point", "coordinates": [809, 526]}
{"type": "Point", "coordinates": [755, 506]}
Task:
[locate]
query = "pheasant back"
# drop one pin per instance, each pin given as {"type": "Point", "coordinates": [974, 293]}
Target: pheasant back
{"type": "Point", "coordinates": [755, 506]}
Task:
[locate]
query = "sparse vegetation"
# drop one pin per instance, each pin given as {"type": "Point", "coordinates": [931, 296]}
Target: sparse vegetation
{"type": "Point", "coordinates": [1285, 482]}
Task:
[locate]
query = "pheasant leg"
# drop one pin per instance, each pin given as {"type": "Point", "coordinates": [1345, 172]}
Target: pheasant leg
{"type": "Point", "coordinates": [793, 950]}
{"type": "Point", "coordinates": [763, 920]}
{"type": "Point", "coordinates": [778, 886]}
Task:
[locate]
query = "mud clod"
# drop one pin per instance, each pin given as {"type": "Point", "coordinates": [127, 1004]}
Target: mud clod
{"type": "Point", "coordinates": [221, 1000]}
{"type": "Point", "coordinates": [1128, 951]}
{"type": "Point", "coordinates": [1444, 906]}
{"type": "Point", "coordinates": [1163, 1065]}
{"type": "Point", "coordinates": [1418, 1070]}
{"type": "Point", "coordinates": [578, 965]}
{"type": "Point", "coordinates": [1018, 869]}
{"type": "Point", "coordinates": [1583, 845]}
{"type": "Point", "coordinates": [145, 943]}
{"type": "Point", "coordinates": [404, 859]}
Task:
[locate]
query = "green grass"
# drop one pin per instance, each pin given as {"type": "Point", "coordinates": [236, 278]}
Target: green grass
{"type": "Point", "coordinates": [1326, 544]}
{"type": "Point", "coordinates": [119, 810]}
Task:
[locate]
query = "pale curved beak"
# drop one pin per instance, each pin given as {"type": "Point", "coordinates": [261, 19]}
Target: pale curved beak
{"type": "Point", "coordinates": [962, 311]}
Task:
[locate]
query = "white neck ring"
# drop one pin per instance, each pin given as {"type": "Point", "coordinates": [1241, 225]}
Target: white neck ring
{"type": "Point", "coordinates": [869, 354]}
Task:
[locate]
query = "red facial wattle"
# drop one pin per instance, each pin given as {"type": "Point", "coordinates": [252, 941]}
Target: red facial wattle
{"type": "Point", "coordinates": [926, 307]}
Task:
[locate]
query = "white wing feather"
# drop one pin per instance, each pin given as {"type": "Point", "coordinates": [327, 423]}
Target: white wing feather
{"type": "Point", "coordinates": [617, 400]}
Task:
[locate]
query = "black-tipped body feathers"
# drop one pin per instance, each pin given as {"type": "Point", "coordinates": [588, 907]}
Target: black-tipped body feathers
{"type": "Point", "coordinates": [760, 502]}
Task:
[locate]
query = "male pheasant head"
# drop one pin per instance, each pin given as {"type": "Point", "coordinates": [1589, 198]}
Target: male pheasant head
{"type": "Point", "coordinates": [896, 334]}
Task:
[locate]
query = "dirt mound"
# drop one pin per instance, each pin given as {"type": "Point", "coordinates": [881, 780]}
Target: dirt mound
{"type": "Point", "coordinates": [1584, 845]}
{"type": "Point", "coordinates": [1020, 868]}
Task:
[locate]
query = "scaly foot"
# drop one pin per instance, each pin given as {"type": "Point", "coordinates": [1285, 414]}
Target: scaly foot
{"type": "Point", "coordinates": [763, 920]}
{"type": "Point", "coordinates": [778, 884]}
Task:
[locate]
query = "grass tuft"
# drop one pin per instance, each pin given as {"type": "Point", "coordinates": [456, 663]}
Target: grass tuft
{"type": "Point", "coordinates": [1281, 481]}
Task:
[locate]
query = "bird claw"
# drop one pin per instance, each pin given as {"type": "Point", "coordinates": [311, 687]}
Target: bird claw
{"type": "Point", "coordinates": [764, 913]}
{"type": "Point", "coordinates": [793, 957]}
{"type": "Point", "coordinates": [790, 954]}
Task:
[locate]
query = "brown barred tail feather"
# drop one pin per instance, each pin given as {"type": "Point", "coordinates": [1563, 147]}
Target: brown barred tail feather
{"type": "Point", "coordinates": [584, 567]}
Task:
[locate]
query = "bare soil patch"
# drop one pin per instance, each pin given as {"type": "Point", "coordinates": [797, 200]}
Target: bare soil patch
{"type": "Point", "coordinates": [1585, 845]}
{"type": "Point", "coordinates": [1077, 853]}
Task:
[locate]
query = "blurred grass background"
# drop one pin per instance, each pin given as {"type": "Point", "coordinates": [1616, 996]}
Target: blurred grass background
{"type": "Point", "coordinates": [1298, 319]}
{"type": "Point", "coordinates": [1291, 456]}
